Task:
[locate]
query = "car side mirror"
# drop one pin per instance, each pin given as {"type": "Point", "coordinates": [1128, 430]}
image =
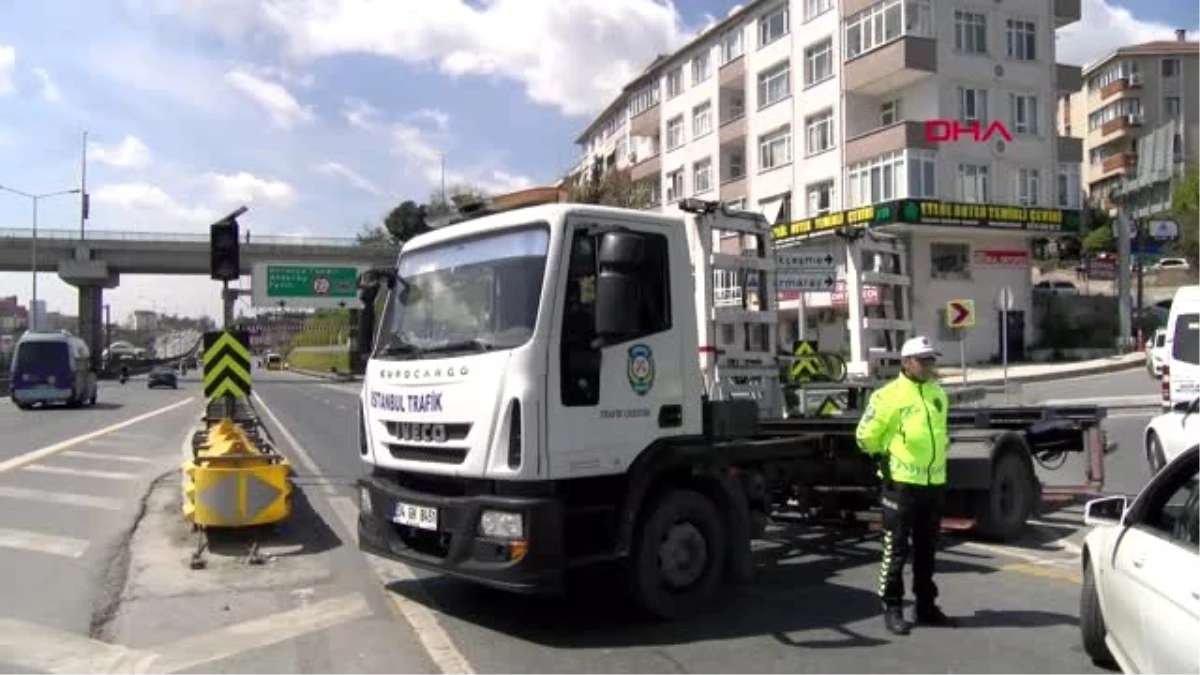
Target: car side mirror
{"type": "Point", "coordinates": [1185, 407]}
{"type": "Point", "coordinates": [618, 288]}
{"type": "Point", "coordinates": [1105, 511]}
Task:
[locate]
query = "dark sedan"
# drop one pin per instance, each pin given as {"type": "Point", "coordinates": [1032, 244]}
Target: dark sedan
{"type": "Point", "coordinates": [162, 377]}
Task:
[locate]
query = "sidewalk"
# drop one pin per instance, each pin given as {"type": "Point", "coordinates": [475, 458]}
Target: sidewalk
{"type": "Point", "coordinates": [1042, 372]}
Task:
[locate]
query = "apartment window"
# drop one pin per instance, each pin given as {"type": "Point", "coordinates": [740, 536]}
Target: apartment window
{"type": "Point", "coordinates": [1024, 114]}
{"type": "Point", "coordinates": [700, 68]}
{"type": "Point", "coordinates": [819, 132]}
{"type": "Point", "coordinates": [1170, 67]}
{"type": "Point", "coordinates": [876, 180]}
{"type": "Point", "coordinates": [972, 105]}
{"type": "Point", "coordinates": [1172, 107]}
{"type": "Point", "coordinates": [735, 164]}
{"type": "Point", "coordinates": [702, 119]}
{"type": "Point", "coordinates": [777, 209]}
{"type": "Point", "coordinates": [737, 104]}
{"type": "Point", "coordinates": [702, 176]}
{"type": "Point", "coordinates": [820, 198]}
{"type": "Point", "coordinates": [675, 82]}
{"type": "Point", "coordinates": [736, 204]}
{"type": "Point", "coordinates": [1118, 108]}
{"type": "Point", "coordinates": [1029, 187]}
{"type": "Point", "coordinates": [1117, 71]}
{"type": "Point", "coordinates": [775, 148]}
{"type": "Point", "coordinates": [818, 62]}
{"type": "Point", "coordinates": [774, 84]}
{"type": "Point", "coordinates": [674, 132]}
{"type": "Point", "coordinates": [675, 185]}
{"type": "Point", "coordinates": [886, 21]}
{"type": "Point", "coordinates": [1022, 40]}
{"type": "Point", "coordinates": [773, 25]}
{"type": "Point", "coordinates": [889, 113]}
{"type": "Point", "coordinates": [973, 183]}
{"type": "Point", "coordinates": [731, 46]}
{"type": "Point", "coordinates": [644, 99]}
{"type": "Point", "coordinates": [922, 168]}
{"type": "Point", "coordinates": [815, 8]}
{"type": "Point", "coordinates": [1068, 189]}
{"type": "Point", "coordinates": [970, 32]}
{"type": "Point", "coordinates": [949, 261]}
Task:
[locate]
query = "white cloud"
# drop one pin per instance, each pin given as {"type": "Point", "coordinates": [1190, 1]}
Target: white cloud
{"type": "Point", "coordinates": [131, 152]}
{"type": "Point", "coordinates": [8, 66]}
{"type": "Point", "coordinates": [439, 119]}
{"type": "Point", "coordinates": [350, 176]}
{"type": "Point", "coordinates": [50, 90]}
{"type": "Point", "coordinates": [243, 187]}
{"type": "Point", "coordinates": [278, 73]}
{"type": "Point", "coordinates": [283, 108]}
{"type": "Point", "coordinates": [362, 115]}
{"type": "Point", "coordinates": [1103, 28]}
{"type": "Point", "coordinates": [153, 204]}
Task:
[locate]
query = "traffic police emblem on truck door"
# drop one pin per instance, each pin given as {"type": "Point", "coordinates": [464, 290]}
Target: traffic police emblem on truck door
{"type": "Point", "coordinates": [641, 369]}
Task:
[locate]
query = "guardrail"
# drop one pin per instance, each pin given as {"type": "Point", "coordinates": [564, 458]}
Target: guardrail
{"type": "Point", "coordinates": [189, 238]}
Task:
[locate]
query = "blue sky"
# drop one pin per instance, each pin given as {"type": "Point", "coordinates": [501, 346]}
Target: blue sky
{"type": "Point", "coordinates": [322, 114]}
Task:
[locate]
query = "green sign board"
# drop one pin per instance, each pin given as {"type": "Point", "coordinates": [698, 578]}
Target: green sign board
{"type": "Point", "coordinates": [299, 285]}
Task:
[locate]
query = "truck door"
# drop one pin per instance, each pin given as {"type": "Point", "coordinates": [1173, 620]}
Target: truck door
{"type": "Point", "coordinates": [605, 405]}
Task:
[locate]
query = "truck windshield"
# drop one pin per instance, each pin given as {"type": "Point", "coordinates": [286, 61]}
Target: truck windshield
{"type": "Point", "coordinates": [467, 296]}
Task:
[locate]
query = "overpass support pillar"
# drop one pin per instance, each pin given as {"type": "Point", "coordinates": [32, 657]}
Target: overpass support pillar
{"type": "Point", "coordinates": [91, 277]}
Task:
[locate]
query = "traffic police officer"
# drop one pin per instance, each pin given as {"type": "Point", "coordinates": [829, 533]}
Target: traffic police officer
{"type": "Point", "coordinates": [904, 429]}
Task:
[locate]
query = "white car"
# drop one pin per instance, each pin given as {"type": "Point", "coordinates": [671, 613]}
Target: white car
{"type": "Point", "coordinates": [1170, 433]}
{"type": "Point", "coordinates": [1140, 604]}
{"type": "Point", "coordinates": [1156, 353]}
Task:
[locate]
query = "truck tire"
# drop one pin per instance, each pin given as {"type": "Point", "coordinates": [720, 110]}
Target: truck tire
{"type": "Point", "coordinates": [1091, 621]}
{"type": "Point", "coordinates": [1012, 497]}
{"type": "Point", "coordinates": [677, 561]}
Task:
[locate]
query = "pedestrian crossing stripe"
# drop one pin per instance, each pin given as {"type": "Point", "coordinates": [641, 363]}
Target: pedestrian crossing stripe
{"type": "Point", "coordinates": [226, 364]}
{"type": "Point", "coordinates": [805, 366]}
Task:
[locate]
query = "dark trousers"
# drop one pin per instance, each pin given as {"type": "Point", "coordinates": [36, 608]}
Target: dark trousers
{"type": "Point", "coordinates": [911, 513]}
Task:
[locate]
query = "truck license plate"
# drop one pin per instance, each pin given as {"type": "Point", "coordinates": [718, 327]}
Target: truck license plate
{"type": "Point", "coordinates": [423, 517]}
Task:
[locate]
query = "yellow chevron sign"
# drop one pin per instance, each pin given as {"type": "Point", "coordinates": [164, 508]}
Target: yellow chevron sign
{"type": "Point", "coordinates": [226, 364]}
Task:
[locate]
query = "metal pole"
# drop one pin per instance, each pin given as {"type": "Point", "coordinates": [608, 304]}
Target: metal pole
{"type": "Point", "coordinates": [962, 353]}
{"type": "Point", "coordinates": [1140, 280]}
{"type": "Point", "coordinates": [1123, 268]}
{"type": "Point", "coordinates": [33, 321]}
{"type": "Point", "coordinates": [1004, 343]}
{"type": "Point", "coordinates": [83, 196]}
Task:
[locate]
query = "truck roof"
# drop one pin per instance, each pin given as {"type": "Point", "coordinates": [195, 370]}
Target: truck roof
{"type": "Point", "coordinates": [551, 213]}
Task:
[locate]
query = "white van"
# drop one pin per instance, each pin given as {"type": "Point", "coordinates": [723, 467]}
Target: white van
{"type": "Point", "coordinates": [1181, 369]}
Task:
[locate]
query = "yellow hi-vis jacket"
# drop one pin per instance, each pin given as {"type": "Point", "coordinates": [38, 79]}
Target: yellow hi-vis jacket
{"type": "Point", "coordinates": [906, 422]}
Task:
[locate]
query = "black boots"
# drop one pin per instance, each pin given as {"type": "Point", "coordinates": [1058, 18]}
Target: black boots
{"type": "Point", "coordinates": [893, 619]}
{"type": "Point", "coordinates": [933, 616]}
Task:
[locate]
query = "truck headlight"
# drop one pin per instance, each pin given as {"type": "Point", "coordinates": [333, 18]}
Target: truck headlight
{"type": "Point", "coordinates": [502, 525]}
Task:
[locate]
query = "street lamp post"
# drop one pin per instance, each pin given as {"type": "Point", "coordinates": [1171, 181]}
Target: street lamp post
{"type": "Point", "coordinates": [35, 198]}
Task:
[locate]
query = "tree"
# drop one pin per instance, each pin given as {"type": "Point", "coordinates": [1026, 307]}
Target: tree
{"type": "Point", "coordinates": [408, 219]}
{"type": "Point", "coordinates": [456, 197]}
{"type": "Point", "coordinates": [615, 188]}
{"type": "Point", "coordinates": [1099, 240]}
{"type": "Point", "coordinates": [405, 221]}
{"type": "Point", "coordinates": [1185, 210]}
{"type": "Point", "coordinates": [372, 234]}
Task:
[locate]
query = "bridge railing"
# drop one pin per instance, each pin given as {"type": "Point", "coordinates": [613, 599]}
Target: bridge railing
{"type": "Point", "coordinates": [189, 238]}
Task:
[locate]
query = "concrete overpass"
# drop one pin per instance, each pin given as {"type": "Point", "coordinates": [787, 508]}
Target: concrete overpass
{"type": "Point", "coordinates": [96, 262]}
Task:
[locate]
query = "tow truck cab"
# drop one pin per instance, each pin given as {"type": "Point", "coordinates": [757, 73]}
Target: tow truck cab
{"type": "Point", "coordinates": [524, 360]}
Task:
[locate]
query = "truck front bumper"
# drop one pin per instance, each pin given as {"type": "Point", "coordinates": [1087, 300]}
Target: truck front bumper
{"type": "Point", "coordinates": [533, 563]}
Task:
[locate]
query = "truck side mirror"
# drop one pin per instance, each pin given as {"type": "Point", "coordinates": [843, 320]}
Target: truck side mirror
{"type": "Point", "coordinates": [366, 322]}
{"type": "Point", "coordinates": [618, 289]}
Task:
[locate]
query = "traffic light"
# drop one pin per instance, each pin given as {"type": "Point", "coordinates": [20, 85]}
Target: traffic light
{"type": "Point", "coordinates": [225, 261]}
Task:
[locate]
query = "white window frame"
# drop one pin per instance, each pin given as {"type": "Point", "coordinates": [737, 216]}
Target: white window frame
{"type": "Point", "coordinates": [890, 113]}
{"type": "Point", "coordinates": [1021, 39]}
{"type": "Point", "coordinates": [675, 186]}
{"type": "Point", "coordinates": [974, 184]}
{"type": "Point", "coordinates": [702, 180]}
{"type": "Point", "coordinates": [921, 169]}
{"type": "Point", "coordinates": [645, 99]}
{"type": "Point", "coordinates": [673, 124]}
{"type": "Point", "coordinates": [884, 22]}
{"type": "Point", "coordinates": [815, 8]}
{"type": "Point", "coordinates": [887, 177]}
{"type": "Point", "coordinates": [819, 127]}
{"type": "Point", "coordinates": [775, 145]}
{"type": "Point", "coordinates": [701, 67]}
{"type": "Point", "coordinates": [1068, 188]}
{"type": "Point", "coordinates": [1027, 186]}
{"type": "Point", "coordinates": [813, 197]}
{"type": "Point", "coordinates": [778, 72]}
{"type": "Point", "coordinates": [780, 18]}
{"type": "Point", "coordinates": [674, 79]}
{"type": "Point", "coordinates": [1025, 114]}
{"type": "Point", "coordinates": [970, 32]}
{"type": "Point", "coordinates": [731, 46]}
{"type": "Point", "coordinates": [814, 55]}
{"type": "Point", "coordinates": [736, 161]}
{"type": "Point", "coordinates": [973, 105]}
{"type": "Point", "coordinates": [1178, 101]}
{"type": "Point", "coordinates": [702, 119]}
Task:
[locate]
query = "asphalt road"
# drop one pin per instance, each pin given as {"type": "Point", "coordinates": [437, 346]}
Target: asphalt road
{"type": "Point", "coordinates": [319, 605]}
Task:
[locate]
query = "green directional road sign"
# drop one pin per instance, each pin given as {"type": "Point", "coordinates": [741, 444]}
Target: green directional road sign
{"type": "Point", "coordinates": [300, 285]}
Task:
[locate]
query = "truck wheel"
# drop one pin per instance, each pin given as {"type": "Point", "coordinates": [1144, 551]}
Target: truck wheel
{"type": "Point", "coordinates": [1010, 500]}
{"type": "Point", "coordinates": [677, 561]}
{"type": "Point", "coordinates": [1091, 621]}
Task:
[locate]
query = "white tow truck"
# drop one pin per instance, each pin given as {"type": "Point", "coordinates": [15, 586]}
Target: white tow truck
{"type": "Point", "coordinates": [551, 388]}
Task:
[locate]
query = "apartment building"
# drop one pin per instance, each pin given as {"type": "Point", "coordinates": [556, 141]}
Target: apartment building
{"type": "Point", "coordinates": [816, 113]}
{"type": "Point", "coordinates": [1126, 94]}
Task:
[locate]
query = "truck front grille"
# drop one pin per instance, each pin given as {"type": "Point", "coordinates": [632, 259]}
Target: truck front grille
{"type": "Point", "coordinates": [428, 453]}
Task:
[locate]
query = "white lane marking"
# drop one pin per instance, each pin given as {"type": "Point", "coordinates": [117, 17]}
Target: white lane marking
{"type": "Point", "coordinates": [195, 651]}
{"type": "Point", "coordinates": [41, 453]}
{"type": "Point", "coordinates": [83, 473]}
{"type": "Point", "coordinates": [429, 631]}
{"type": "Point", "coordinates": [106, 457]}
{"type": "Point", "coordinates": [67, 498]}
{"type": "Point", "coordinates": [342, 389]}
{"type": "Point", "coordinates": [301, 454]}
{"type": "Point", "coordinates": [42, 543]}
{"type": "Point", "coordinates": [39, 648]}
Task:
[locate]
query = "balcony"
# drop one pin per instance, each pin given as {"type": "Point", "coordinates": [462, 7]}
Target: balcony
{"type": "Point", "coordinates": [1117, 86]}
{"type": "Point", "coordinates": [732, 130]}
{"type": "Point", "coordinates": [1069, 149]}
{"type": "Point", "coordinates": [651, 166]}
{"type": "Point", "coordinates": [1067, 12]}
{"type": "Point", "coordinates": [647, 123]}
{"type": "Point", "coordinates": [894, 66]}
{"type": "Point", "coordinates": [733, 74]}
{"type": "Point", "coordinates": [1122, 126]}
{"type": "Point", "coordinates": [1124, 161]}
{"type": "Point", "coordinates": [852, 7]}
{"type": "Point", "coordinates": [1068, 79]}
{"type": "Point", "coordinates": [886, 139]}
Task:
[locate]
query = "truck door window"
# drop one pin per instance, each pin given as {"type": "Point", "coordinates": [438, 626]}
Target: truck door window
{"type": "Point", "coordinates": [579, 361]}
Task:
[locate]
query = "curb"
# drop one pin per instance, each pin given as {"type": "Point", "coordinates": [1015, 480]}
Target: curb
{"type": "Point", "coordinates": [324, 376]}
{"type": "Point", "coordinates": [1060, 375]}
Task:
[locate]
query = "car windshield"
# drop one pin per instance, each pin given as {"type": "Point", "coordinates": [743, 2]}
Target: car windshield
{"type": "Point", "coordinates": [467, 296]}
{"type": "Point", "coordinates": [1185, 345]}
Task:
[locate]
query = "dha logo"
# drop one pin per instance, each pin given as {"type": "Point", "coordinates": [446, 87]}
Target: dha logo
{"type": "Point", "coordinates": [951, 131]}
